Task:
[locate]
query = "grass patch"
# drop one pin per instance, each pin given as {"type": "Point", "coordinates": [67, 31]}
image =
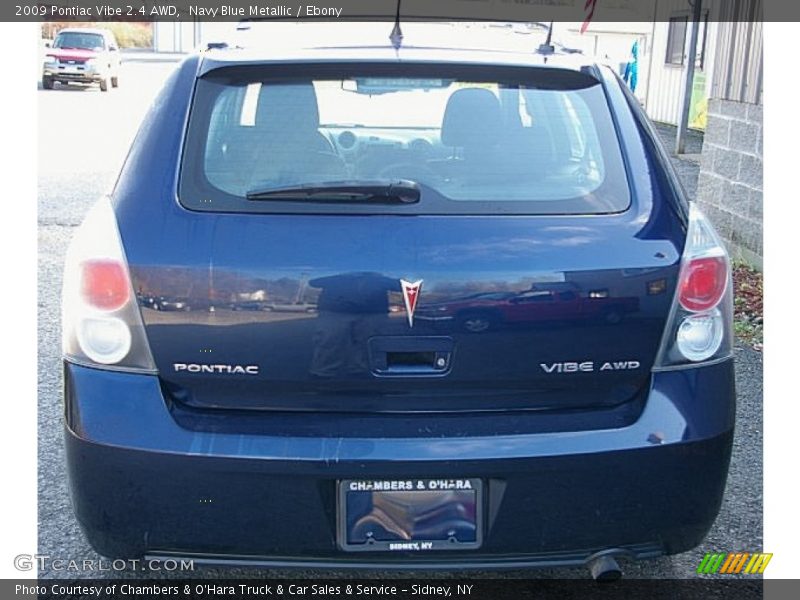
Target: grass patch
{"type": "Point", "coordinates": [748, 306]}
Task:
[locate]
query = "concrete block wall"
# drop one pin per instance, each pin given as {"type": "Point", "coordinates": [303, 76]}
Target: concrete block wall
{"type": "Point", "coordinates": [730, 184]}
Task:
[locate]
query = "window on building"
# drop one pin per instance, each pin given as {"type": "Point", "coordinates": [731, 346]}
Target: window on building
{"type": "Point", "coordinates": [676, 40]}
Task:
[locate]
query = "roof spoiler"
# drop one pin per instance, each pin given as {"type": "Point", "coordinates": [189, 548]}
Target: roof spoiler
{"type": "Point", "coordinates": [251, 69]}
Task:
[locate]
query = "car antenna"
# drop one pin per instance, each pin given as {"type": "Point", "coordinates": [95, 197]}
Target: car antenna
{"type": "Point", "coordinates": [396, 37]}
{"type": "Point", "coordinates": [547, 48]}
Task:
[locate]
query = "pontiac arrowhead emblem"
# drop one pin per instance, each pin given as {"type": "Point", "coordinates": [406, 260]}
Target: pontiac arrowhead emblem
{"type": "Point", "coordinates": [411, 293]}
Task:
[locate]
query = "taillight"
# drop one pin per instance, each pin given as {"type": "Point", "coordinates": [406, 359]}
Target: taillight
{"type": "Point", "coordinates": [104, 284]}
{"type": "Point", "coordinates": [703, 282]}
{"type": "Point", "coordinates": [101, 322]}
{"type": "Point", "coordinates": [700, 324]}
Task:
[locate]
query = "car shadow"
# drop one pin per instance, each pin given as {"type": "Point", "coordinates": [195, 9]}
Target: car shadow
{"type": "Point", "coordinates": [69, 87]}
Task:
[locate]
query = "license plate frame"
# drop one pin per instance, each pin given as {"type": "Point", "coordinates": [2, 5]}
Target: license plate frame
{"type": "Point", "coordinates": [72, 70]}
{"type": "Point", "coordinates": [460, 499]}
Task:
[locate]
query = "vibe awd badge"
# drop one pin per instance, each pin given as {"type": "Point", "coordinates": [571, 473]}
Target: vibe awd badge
{"type": "Point", "coordinates": [411, 292]}
{"type": "Point", "coordinates": [589, 366]}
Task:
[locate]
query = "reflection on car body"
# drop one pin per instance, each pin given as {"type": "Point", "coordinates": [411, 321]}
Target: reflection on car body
{"type": "Point", "coordinates": [544, 302]}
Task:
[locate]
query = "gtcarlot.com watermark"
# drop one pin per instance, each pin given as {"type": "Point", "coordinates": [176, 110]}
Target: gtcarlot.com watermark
{"type": "Point", "coordinates": [45, 562]}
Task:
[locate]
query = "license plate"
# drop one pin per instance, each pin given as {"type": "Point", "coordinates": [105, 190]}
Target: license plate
{"type": "Point", "coordinates": [410, 514]}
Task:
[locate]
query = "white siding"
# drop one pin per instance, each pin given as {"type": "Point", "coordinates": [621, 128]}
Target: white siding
{"type": "Point", "coordinates": [665, 85]}
{"type": "Point", "coordinates": [185, 36]}
{"type": "Point", "coordinates": [739, 65]}
{"type": "Point", "coordinates": [174, 37]}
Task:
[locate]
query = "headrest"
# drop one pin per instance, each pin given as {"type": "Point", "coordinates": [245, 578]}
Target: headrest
{"type": "Point", "coordinates": [287, 107]}
{"type": "Point", "coordinates": [472, 117]}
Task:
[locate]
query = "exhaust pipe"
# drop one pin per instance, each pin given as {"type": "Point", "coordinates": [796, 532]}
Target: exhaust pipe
{"type": "Point", "coordinates": [604, 567]}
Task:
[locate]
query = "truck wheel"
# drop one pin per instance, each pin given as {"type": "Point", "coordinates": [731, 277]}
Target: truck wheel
{"type": "Point", "coordinates": [115, 81]}
{"type": "Point", "coordinates": [47, 83]}
{"type": "Point", "coordinates": [104, 84]}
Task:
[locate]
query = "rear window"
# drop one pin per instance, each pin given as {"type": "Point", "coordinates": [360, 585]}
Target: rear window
{"type": "Point", "coordinates": [474, 140]}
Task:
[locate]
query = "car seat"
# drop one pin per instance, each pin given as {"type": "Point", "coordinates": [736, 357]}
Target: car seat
{"type": "Point", "coordinates": [288, 147]}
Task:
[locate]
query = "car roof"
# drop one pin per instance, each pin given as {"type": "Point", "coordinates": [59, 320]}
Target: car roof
{"type": "Point", "coordinates": [456, 43]}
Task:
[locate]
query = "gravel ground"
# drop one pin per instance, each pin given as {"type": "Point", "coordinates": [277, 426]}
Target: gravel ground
{"type": "Point", "coordinates": [688, 169]}
{"type": "Point", "coordinates": [72, 177]}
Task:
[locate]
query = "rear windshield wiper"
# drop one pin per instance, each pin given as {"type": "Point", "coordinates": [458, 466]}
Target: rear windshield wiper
{"type": "Point", "coordinates": [394, 191]}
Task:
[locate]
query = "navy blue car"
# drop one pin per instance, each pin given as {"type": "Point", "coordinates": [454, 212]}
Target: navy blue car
{"type": "Point", "coordinates": [397, 307]}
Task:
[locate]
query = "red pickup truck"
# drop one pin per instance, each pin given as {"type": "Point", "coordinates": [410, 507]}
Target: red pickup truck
{"type": "Point", "coordinates": [82, 55]}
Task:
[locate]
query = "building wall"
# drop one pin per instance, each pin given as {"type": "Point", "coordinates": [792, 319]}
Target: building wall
{"type": "Point", "coordinates": [185, 36]}
{"type": "Point", "coordinates": [180, 36]}
{"type": "Point", "coordinates": [665, 81]}
{"type": "Point", "coordinates": [730, 185]}
{"type": "Point", "coordinates": [739, 73]}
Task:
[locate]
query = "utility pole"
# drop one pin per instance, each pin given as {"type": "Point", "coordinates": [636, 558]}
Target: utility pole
{"type": "Point", "coordinates": [650, 60]}
{"type": "Point", "coordinates": [688, 82]}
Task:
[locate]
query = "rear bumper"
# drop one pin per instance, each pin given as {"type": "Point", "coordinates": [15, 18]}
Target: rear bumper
{"type": "Point", "coordinates": [143, 485]}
